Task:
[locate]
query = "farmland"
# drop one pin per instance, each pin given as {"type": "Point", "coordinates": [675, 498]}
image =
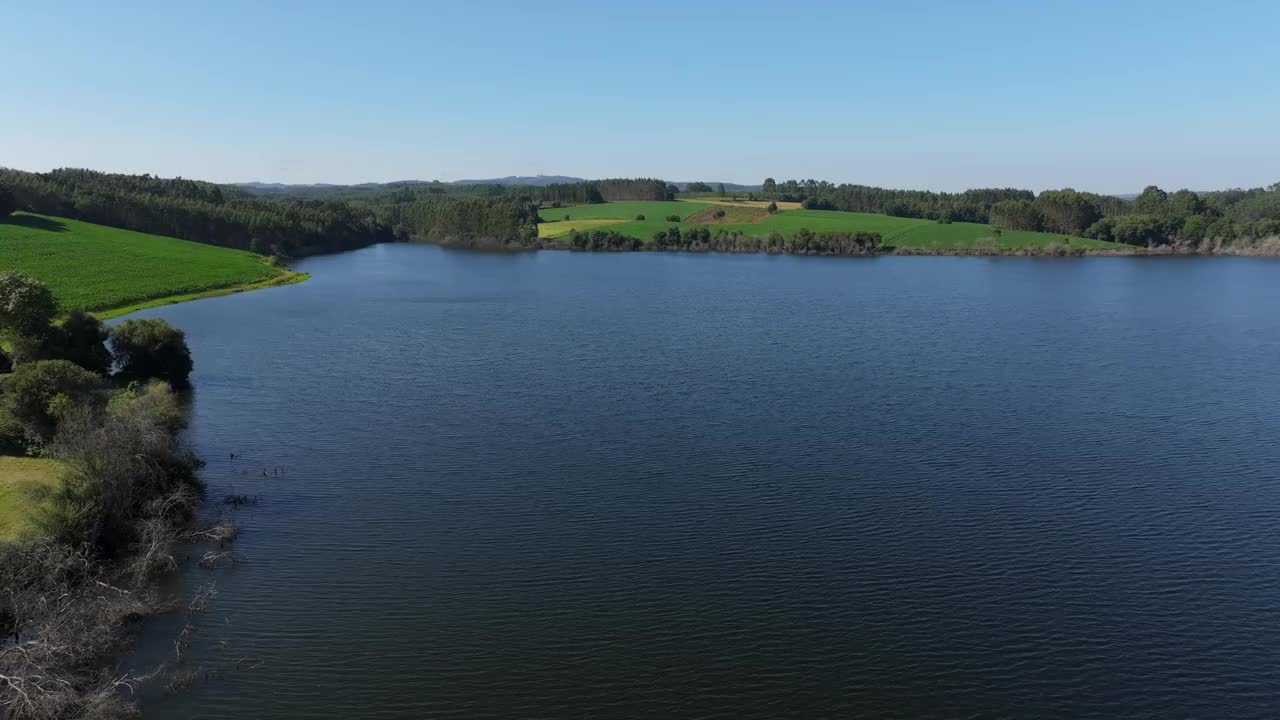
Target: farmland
{"type": "Point", "coordinates": [908, 234]}
{"type": "Point", "coordinates": [109, 270]}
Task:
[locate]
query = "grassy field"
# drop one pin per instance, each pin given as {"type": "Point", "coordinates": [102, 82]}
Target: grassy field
{"type": "Point", "coordinates": [903, 233]}
{"type": "Point", "coordinates": [23, 485]}
{"type": "Point", "coordinates": [108, 270]}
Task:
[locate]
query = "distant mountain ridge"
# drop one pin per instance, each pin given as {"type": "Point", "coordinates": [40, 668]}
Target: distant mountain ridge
{"type": "Point", "coordinates": [532, 180]}
{"type": "Point", "coordinates": [538, 180]}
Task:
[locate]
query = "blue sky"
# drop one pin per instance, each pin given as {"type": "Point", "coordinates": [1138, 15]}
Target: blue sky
{"type": "Point", "coordinates": [1105, 96]}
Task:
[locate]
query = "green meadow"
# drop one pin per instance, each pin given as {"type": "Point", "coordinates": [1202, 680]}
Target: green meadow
{"type": "Point", "coordinates": [900, 233]}
{"type": "Point", "coordinates": [24, 484]}
{"type": "Point", "coordinates": [110, 271]}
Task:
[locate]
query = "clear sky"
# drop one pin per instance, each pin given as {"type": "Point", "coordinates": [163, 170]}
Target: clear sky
{"type": "Point", "coordinates": [1104, 96]}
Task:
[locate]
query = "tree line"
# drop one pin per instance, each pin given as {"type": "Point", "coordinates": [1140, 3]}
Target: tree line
{"type": "Point", "coordinates": [702, 239]}
{"type": "Point", "coordinates": [1184, 218]}
{"type": "Point", "coordinates": [471, 221]}
{"type": "Point", "coordinates": [197, 211]}
{"type": "Point", "coordinates": [967, 206]}
{"type": "Point", "coordinates": [1187, 219]}
{"type": "Point", "coordinates": [597, 191]}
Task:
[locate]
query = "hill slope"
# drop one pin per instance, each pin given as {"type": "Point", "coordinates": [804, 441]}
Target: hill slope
{"type": "Point", "coordinates": [109, 270]}
{"type": "Point", "coordinates": [897, 232]}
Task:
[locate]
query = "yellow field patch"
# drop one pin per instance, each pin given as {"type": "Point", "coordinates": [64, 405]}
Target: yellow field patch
{"type": "Point", "coordinates": [564, 227]}
{"type": "Point", "coordinates": [24, 484]}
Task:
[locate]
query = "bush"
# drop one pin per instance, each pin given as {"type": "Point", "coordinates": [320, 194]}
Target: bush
{"type": "Point", "coordinates": [82, 339]}
{"type": "Point", "coordinates": [151, 349]}
{"type": "Point", "coordinates": [38, 395]}
{"type": "Point", "coordinates": [566, 216]}
{"type": "Point", "coordinates": [640, 217]}
{"type": "Point", "coordinates": [27, 306]}
{"type": "Point", "coordinates": [718, 214]}
{"type": "Point", "coordinates": [118, 461]}
{"type": "Point", "coordinates": [673, 218]}
{"type": "Point", "coordinates": [773, 207]}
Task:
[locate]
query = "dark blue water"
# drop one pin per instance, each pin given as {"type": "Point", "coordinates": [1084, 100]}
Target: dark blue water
{"type": "Point", "coordinates": [642, 485]}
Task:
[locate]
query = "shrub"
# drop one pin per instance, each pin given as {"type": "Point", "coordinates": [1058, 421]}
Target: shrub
{"type": "Point", "coordinates": [38, 395]}
{"type": "Point", "coordinates": [566, 216]}
{"type": "Point", "coordinates": [673, 218]}
{"type": "Point", "coordinates": [718, 214]}
{"type": "Point", "coordinates": [151, 349]}
{"type": "Point", "coordinates": [82, 339]}
{"type": "Point", "coordinates": [27, 306]}
{"type": "Point", "coordinates": [773, 207]}
{"type": "Point", "coordinates": [640, 217]}
{"type": "Point", "coordinates": [119, 460]}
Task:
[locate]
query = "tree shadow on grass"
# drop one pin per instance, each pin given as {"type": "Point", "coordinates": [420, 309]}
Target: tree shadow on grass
{"type": "Point", "coordinates": [35, 222]}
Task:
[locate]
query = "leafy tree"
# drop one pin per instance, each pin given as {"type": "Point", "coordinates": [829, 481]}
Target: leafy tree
{"type": "Point", "coordinates": [1193, 230]}
{"type": "Point", "coordinates": [697, 187]}
{"type": "Point", "coordinates": [769, 187]}
{"type": "Point", "coordinates": [720, 190]}
{"type": "Point", "coordinates": [8, 203]}
{"type": "Point", "coordinates": [27, 306]}
{"type": "Point", "coordinates": [1152, 201]}
{"type": "Point", "coordinates": [1067, 211]}
{"type": "Point", "coordinates": [1016, 215]}
{"type": "Point", "coordinates": [1141, 230]}
{"type": "Point", "coordinates": [37, 395]}
{"type": "Point", "coordinates": [1185, 202]}
{"type": "Point", "coordinates": [151, 348]}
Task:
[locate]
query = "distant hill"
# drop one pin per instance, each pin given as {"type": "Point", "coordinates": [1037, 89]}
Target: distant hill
{"type": "Point", "coordinates": [269, 188]}
{"type": "Point", "coordinates": [539, 180]}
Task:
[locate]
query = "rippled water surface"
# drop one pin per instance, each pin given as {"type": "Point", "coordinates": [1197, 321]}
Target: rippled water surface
{"type": "Point", "coordinates": [587, 486]}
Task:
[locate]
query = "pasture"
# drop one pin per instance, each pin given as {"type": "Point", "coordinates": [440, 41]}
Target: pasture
{"type": "Point", "coordinates": [24, 484]}
{"type": "Point", "coordinates": [104, 269]}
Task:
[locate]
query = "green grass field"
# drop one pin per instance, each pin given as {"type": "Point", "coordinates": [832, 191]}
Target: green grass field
{"type": "Point", "coordinates": [24, 483]}
{"type": "Point", "coordinates": [93, 267]}
{"type": "Point", "coordinates": [904, 233]}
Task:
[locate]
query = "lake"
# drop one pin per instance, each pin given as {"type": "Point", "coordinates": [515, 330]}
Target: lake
{"type": "Point", "coordinates": [557, 485]}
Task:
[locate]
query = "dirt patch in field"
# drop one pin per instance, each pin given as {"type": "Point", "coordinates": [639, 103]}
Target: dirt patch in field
{"type": "Point", "coordinates": [735, 214]}
{"type": "Point", "coordinates": [782, 205]}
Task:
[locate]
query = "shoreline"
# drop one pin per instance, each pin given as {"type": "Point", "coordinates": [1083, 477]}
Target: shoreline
{"type": "Point", "coordinates": [288, 277]}
{"type": "Point", "coordinates": [1267, 250]}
